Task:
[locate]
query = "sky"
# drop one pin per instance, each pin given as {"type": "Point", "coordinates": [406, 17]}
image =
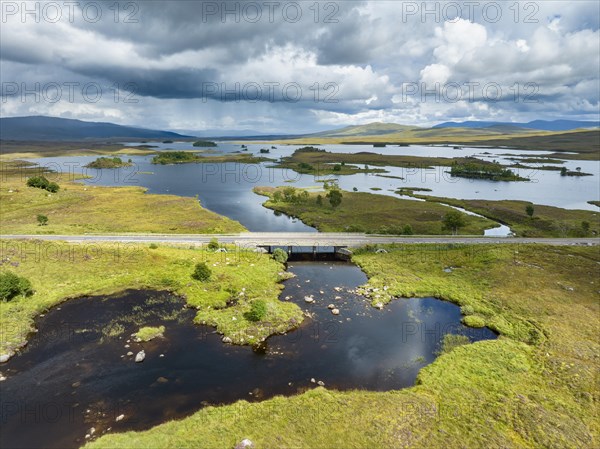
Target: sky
{"type": "Point", "coordinates": [297, 67]}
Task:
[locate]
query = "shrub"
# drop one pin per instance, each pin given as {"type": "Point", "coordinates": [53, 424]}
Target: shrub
{"type": "Point", "coordinates": [473, 321]}
{"type": "Point", "coordinates": [213, 245]}
{"type": "Point", "coordinates": [280, 255]}
{"type": "Point", "coordinates": [12, 285]}
{"type": "Point", "coordinates": [258, 310]}
{"type": "Point", "coordinates": [40, 182]}
{"type": "Point", "coordinates": [153, 246]}
{"type": "Point", "coordinates": [42, 220]}
{"type": "Point", "coordinates": [201, 273]}
{"type": "Point", "coordinates": [407, 230]}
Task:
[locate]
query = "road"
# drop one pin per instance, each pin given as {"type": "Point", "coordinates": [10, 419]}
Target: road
{"type": "Point", "coordinates": [250, 239]}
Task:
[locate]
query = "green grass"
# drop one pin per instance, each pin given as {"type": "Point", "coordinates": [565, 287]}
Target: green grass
{"type": "Point", "coordinates": [366, 212]}
{"type": "Point", "coordinates": [78, 208]}
{"type": "Point", "coordinates": [108, 162]}
{"type": "Point", "coordinates": [536, 386]}
{"type": "Point", "coordinates": [59, 271]}
{"type": "Point", "coordinates": [148, 333]}
{"type": "Point", "coordinates": [547, 221]}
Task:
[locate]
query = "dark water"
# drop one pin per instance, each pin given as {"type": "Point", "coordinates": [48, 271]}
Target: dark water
{"type": "Point", "coordinates": [72, 375]}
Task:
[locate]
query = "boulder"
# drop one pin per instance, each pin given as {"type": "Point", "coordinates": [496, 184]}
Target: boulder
{"type": "Point", "coordinates": [335, 311]}
{"type": "Point", "coordinates": [140, 356]}
{"type": "Point", "coordinates": [245, 444]}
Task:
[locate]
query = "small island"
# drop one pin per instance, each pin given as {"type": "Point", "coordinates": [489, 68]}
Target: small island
{"type": "Point", "coordinates": [204, 144]}
{"type": "Point", "coordinates": [484, 170]}
{"type": "Point", "coordinates": [109, 162]}
{"type": "Point", "coordinates": [175, 157]}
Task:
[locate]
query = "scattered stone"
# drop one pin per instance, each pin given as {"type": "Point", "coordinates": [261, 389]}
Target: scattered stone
{"type": "Point", "coordinates": [331, 307]}
{"type": "Point", "coordinates": [92, 431]}
{"type": "Point", "coordinates": [287, 298]}
{"type": "Point", "coordinates": [312, 379]}
{"type": "Point", "coordinates": [338, 297]}
{"type": "Point", "coordinates": [338, 289]}
{"type": "Point", "coordinates": [227, 340]}
{"type": "Point", "coordinates": [75, 384]}
{"type": "Point", "coordinates": [2, 377]}
{"type": "Point", "coordinates": [140, 356]}
{"type": "Point", "coordinates": [245, 444]}
{"type": "Point", "coordinates": [130, 353]}
{"type": "Point", "coordinates": [162, 380]}
{"type": "Point", "coordinates": [309, 299]}
{"type": "Point", "coordinates": [126, 346]}
{"type": "Point", "coordinates": [322, 292]}
{"type": "Point", "coordinates": [162, 355]}
{"type": "Point", "coordinates": [120, 418]}
{"type": "Point", "coordinates": [381, 251]}
{"type": "Point", "coordinates": [321, 383]}
{"type": "Point", "coordinates": [4, 358]}
{"type": "Point", "coordinates": [379, 305]}
{"type": "Point", "coordinates": [335, 311]}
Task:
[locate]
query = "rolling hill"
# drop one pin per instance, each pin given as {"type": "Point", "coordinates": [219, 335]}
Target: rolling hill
{"type": "Point", "coordinates": [61, 129]}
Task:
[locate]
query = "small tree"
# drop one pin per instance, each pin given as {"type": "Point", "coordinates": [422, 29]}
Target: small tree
{"type": "Point", "coordinates": [585, 227]}
{"type": "Point", "coordinates": [319, 200]}
{"type": "Point", "coordinates": [280, 255]}
{"type": "Point", "coordinates": [213, 245]}
{"type": "Point", "coordinates": [407, 230]}
{"type": "Point", "coordinates": [201, 273]}
{"type": "Point", "coordinates": [453, 221]}
{"type": "Point", "coordinates": [335, 198]}
{"type": "Point", "coordinates": [12, 285]}
{"type": "Point", "coordinates": [258, 310]}
{"type": "Point", "coordinates": [42, 220]}
{"type": "Point", "coordinates": [563, 171]}
{"type": "Point", "coordinates": [529, 210]}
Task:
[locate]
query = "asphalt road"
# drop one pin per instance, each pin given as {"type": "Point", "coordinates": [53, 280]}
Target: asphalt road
{"type": "Point", "coordinates": [300, 239]}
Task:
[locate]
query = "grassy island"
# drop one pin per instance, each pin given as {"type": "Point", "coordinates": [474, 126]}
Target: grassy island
{"type": "Point", "coordinates": [109, 162]}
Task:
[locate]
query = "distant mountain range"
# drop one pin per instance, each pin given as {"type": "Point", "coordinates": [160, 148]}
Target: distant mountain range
{"type": "Point", "coordinates": [542, 125]}
{"type": "Point", "coordinates": [62, 129]}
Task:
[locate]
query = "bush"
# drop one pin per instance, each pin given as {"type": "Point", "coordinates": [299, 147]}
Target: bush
{"type": "Point", "coordinates": [280, 255]}
{"type": "Point", "coordinates": [153, 246]}
{"type": "Point", "coordinates": [407, 230]}
{"type": "Point", "coordinates": [473, 321]}
{"type": "Point", "coordinates": [213, 245]}
{"type": "Point", "coordinates": [40, 182]}
{"type": "Point", "coordinates": [42, 220]}
{"type": "Point", "coordinates": [12, 285]}
{"type": "Point", "coordinates": [201, 273]}
{"type": "Point", "coordinates": [258, 310]}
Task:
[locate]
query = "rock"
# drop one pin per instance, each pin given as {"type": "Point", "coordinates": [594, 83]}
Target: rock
{"type": "Point", "coordinates": [130, 353]}
{"type": "Point", "coordinates": [75, 384]}
{"type": "Point", "coordinates": [2, 378]}
{"type": "Point", "coordinates": [140, 356]}
{"type": "Point", "coordinates": [381, 251]}
{"type": "Point", "coordinates": [312, 379]}
{"type": "Point", "coordinates": [331, 307]}
{"type": "Point", "coordinates": [227, 340]}
{"type": "Point", "coordinates": [338, 297]}
{"type": "Point", "coordinates": [321, 383]}
{"type": "Point", "coordinates": [120, 418]}
{"type": "Point", "coordinates": [245, 444]}
{"type": "Point", "coordinates": [309, 299]}
{"type": "Point", "coordinates": [338, 289]}
{"type": "Point", "coordinates": [92, 431]}
{"type": "Point", "coordinates": [335, 311]}
{"type": "Point", "coordinates": [162, 380]}
{"type": "Point", "coordinates": [126, 346]}
{"type": "Point", "coordinates": [287, 298]}
{"type": "Point", "coordinates": [379, 305]}
{"type": "Point", "coordinates": [4, 358]}
{"type": "Point", "coordinates": [322, 292]}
